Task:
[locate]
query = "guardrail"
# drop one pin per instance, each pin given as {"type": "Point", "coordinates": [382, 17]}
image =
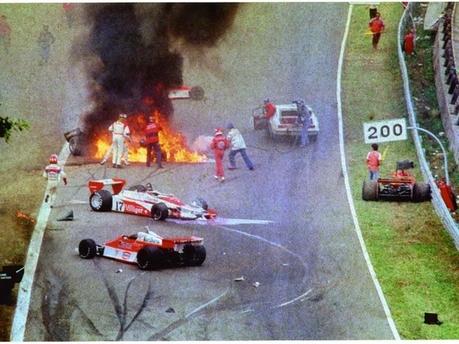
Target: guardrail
{"type": "Point", "coordinates": [437, 201]}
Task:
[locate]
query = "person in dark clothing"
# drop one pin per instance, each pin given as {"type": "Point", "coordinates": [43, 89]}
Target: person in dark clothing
{"type": "Point", "coordinates": [152, 141]}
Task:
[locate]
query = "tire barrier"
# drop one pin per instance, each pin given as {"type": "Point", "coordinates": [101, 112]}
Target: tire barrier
{"type": "Point", "coordinates": [437, 201]}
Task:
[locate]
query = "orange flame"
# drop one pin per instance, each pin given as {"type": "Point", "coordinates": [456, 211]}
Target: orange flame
{"type": "Point", "coordinates": [173, 144]}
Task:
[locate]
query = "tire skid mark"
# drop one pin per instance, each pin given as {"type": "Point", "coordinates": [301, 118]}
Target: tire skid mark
{"type": "Point", "coordinates": [182, 321]}
{"type": "Point", "coordinates": [283, 248]}
{"type": "Point", "coordinates": [122, 310]}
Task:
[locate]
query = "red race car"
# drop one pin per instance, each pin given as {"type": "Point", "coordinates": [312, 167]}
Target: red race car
{"type": "Point", "coordinates": [143, 200]}
{"type": "Point", "coordinates": [148, 250]}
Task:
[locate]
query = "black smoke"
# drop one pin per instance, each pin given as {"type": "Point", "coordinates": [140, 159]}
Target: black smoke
{"type": "Point", "coordinates": [128, 55]}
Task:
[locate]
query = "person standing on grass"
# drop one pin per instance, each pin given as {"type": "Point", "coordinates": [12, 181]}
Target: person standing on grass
{"type": "Point", "coordinates": [45, 40]}
{"type": "Point", "coordinates": [373, 161]}
{"type": "Point", "coordinates": [408, 43]}
{"type": "Point", "coordinates": [376, 26]}
{"type": "Point", "coordinates": [5, 33]}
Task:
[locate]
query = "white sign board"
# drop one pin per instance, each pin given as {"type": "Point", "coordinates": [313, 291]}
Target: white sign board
{"type": "Point", "coordinates": [384, 131]}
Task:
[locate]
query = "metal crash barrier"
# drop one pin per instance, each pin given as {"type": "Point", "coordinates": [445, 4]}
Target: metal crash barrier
{"type": "Point", "coordinates": [437, 200]}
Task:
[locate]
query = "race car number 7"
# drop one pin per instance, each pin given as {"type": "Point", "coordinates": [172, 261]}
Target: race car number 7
{"type": "Point", "coordinates": [384, 131]}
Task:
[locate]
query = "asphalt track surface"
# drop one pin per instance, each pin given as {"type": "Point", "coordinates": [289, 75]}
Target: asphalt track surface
{"type": "Point", "coordinates": [313, 280]}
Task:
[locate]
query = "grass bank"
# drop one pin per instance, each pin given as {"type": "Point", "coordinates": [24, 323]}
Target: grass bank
{"type": "Point", "coordinates": [415, 260]}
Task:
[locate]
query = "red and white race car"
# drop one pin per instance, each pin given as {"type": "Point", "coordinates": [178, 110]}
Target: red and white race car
{"type": "Point", "coordinates": [143, 200]}
{"type": "Point", "coordinates": [148, 250]}
{"type": "Point", "coordinates": [186, 92]}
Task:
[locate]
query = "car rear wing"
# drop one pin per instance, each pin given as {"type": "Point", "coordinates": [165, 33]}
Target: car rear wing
{"type": "Point", "coordinates": [116, 183]}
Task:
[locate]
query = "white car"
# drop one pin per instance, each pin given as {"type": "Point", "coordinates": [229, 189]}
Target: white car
{"type": "Point", "coordinates": [285, 122]}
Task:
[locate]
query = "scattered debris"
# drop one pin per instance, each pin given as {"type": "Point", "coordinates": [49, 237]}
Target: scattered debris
{"type": "Point", "coordinates": [417, 99]}
{"type": "Point", "coordinates": [256, 284]}
{"type": "Point", "coordinates": [420, 65]}
{"type": "Point", "coordinates": [67, 217]}
{"type": "Point", "coordinates": [285, 264]}
{"type": "Point", "coordinates": [432, 319]}
{"type": "Point", "coordinates": [426, 107]}
{"type": "Point", "coordinates": [441, 133]}
{"type": "Point", "coordinates": [239, 279]}
{"type": "Point", "coordinates": [170, 310]}
{"type": "Point", "coordinates": [24, 219]}
{"type": "Point", "coordinates": [119, 270]}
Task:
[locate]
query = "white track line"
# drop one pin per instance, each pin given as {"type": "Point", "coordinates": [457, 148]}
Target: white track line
{"type": "Point", "coordinates": [33, 252]}
{"type": "Point", "coordinates": [205, 305]}
{"type": "Point", "coordinates": [293, 300]}
{"type": "Point", "coordinates": [348, 188]}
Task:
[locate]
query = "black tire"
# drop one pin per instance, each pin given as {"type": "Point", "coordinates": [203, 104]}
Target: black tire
{"type": "Point", "coordinates": [74, 146]}
{"type": "Point", "coordinates": [370, 190]}
{"type": "Point", "coordinates": [159, 212]}
{"type": "Point", "coordinates": [150, 258]}
{"type": "Point", "coordinates": [197, 93]}
{"type": "Point", "coordinates": [194, 255]}
{"type": "Point", "coordinates": [201, 203]}
{"type": "Point", "coordinates": [421, 192]}
{"type": "Point", "coordinates": [101, 200]}
{"type": "Point", "coordinates": [138, 188]}
{"type": "Point", "coordinates": [87, 249]}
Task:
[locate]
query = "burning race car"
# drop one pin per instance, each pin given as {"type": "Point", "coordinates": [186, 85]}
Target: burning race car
{"type": "Point", "coordinates": [148, 250]}
{"type": "Point", "coordinates": [186, 92]}
{"type": "Point", "coordinates": [143, 200]}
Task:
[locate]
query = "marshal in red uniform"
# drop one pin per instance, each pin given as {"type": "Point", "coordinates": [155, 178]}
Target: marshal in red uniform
{"type": "Point", "coordinates": [152, 141]}
{"type": "Point", "coordinates": [219, 144]}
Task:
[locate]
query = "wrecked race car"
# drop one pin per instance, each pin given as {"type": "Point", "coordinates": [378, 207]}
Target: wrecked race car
{"type": "Point", "coordinates": [143, 200]}
{"type": "Point", "coordinates": [148, 250]}
{"type": "Point", "coordinates": [186, 92]}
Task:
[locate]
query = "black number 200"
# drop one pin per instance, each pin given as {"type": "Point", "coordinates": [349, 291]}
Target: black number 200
{"type": "Point", "coordinates": [385, 131]}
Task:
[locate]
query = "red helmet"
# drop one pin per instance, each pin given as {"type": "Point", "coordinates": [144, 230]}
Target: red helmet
{"type": "Point", "coordinates": [53, 159]}
{"type": "Point", "coordinates": [218, 131]}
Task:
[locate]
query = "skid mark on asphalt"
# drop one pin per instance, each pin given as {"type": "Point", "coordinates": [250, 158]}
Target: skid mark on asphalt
{"type": "Point", "coordinates": [302, 296]}
{"type": "Point", "coordinates": [121, 311]}
{"type": "Point", "coordinates": [176, 324]}
{"type": "Point", "coordinates": [219, 221]}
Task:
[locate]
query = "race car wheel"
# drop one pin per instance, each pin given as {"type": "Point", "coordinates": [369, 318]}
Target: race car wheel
{"type": "Point", "coordinates": [421, 192]}
{"type": "Point", "coordinates": [74, 146]}
{"type": "Point", "coordinates": [87, 249]}
{"type": "Point", "coordinates": [150, 258]}
{"type": "Point", "coordinates": [159, 212]}
{"type": "Point", "coordinates": [370, 190]}
{"type": "Point", "coordinates": [194, 255]}
{"type": "Point", "coordinates": [200, 203]}
{"type": "Point", "coordinates": [101, 200]}
{"type": "Point", "coordinates": [197, 93]}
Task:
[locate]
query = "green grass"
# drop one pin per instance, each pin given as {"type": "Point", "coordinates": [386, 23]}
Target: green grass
{"type": "Point", "coordinates": [36, 94]}
{"type": "Point", "coordinates": [414, 257]}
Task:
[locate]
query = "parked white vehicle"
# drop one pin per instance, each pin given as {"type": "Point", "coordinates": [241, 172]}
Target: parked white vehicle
{"type": "Point", "coordinates": [285, 121]}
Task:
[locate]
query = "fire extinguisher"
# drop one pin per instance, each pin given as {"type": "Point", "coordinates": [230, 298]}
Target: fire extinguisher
{"type": "Point", "coordinates": [447, 194]}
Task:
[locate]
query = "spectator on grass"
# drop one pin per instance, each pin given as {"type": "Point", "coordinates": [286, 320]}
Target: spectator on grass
{"type": "Point", "coordinates": [373, 162]}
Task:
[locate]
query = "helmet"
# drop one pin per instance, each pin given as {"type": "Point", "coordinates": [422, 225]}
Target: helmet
{"type": "Point", "coordinates": [53, 159]}
{"type": "Point", "coordinates": [123, 115]}
{"type": "Point", "coordinates": [218, 131]}
{"type": "Point", "coordinates": [266, 100]}
{"type": "Point", "coordinates": [230, 125]}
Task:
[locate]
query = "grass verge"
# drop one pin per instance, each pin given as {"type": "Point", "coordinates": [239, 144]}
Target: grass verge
{"type": "Point", "coordinates": [415, 260]}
